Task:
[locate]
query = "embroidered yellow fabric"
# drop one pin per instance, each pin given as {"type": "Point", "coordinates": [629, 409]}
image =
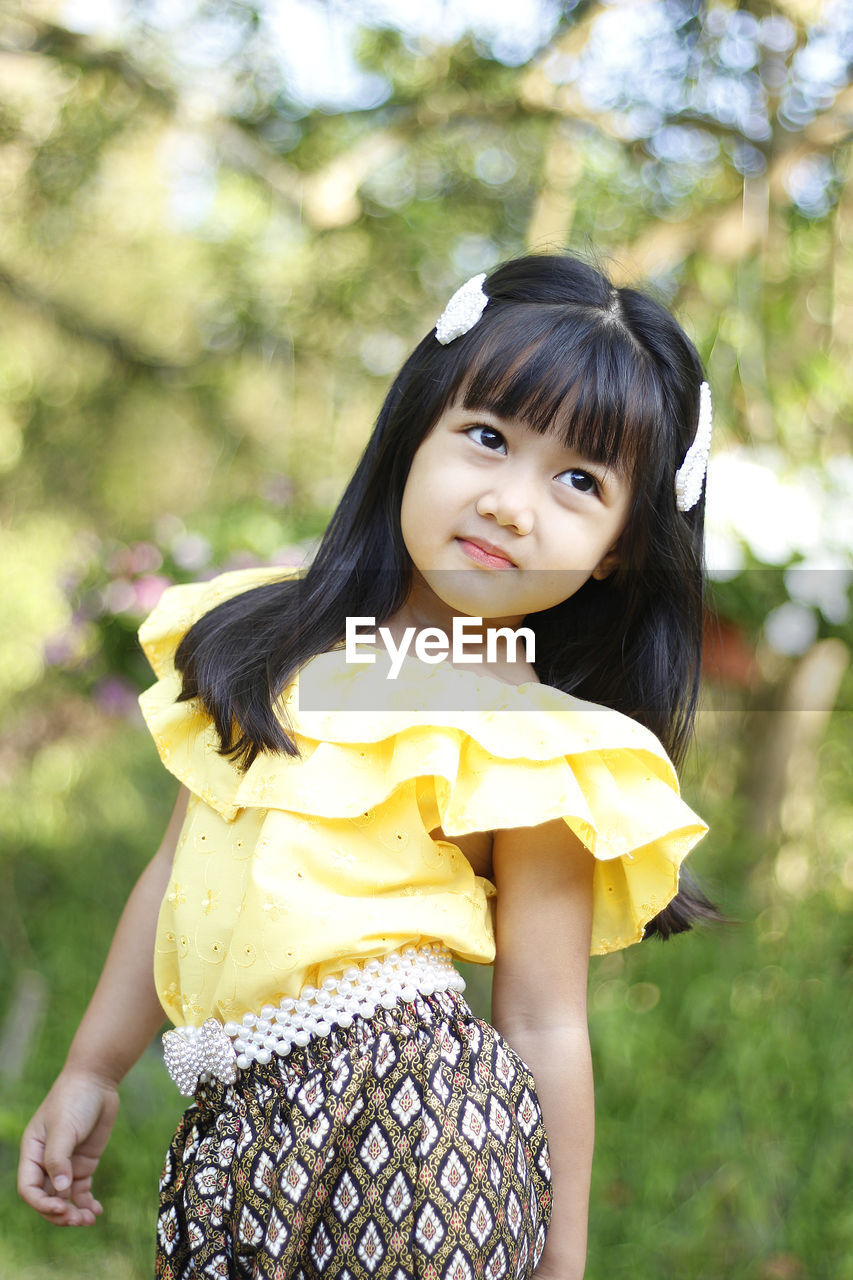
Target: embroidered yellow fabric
{"type": "Point", "coordinates": [296, 868]}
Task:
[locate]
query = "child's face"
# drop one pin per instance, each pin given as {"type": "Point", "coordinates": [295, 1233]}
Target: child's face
{"type": "Point", "coordinates": [501, 522]}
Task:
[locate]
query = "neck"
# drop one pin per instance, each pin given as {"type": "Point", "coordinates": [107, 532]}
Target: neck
{"type": "Point", "coordinates": [423, 608]}
{"type": "Point", "coordinates": [494, 655]}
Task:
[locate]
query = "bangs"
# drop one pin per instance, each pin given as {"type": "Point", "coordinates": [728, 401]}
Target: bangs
{"type": "Point", "coordinates": [575, 372]}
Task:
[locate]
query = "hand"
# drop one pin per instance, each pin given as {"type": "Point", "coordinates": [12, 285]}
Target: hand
{"type": "Point", "coordinates": [61, 1147]}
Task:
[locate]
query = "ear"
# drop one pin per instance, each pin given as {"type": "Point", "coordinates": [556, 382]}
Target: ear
{"type": "Point", "coordinates": [607, 564]}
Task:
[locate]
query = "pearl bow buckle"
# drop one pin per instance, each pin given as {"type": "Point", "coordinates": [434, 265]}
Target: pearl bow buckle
{"type": "Point", "coordinates": [195, 1054]}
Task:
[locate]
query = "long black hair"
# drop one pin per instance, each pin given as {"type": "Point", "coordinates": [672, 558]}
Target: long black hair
{"type": "Point", "coordinates": [559, 348]}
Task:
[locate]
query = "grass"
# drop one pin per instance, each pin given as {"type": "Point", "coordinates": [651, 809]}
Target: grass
{"type": "Point", "coordinates": [724, 1092]}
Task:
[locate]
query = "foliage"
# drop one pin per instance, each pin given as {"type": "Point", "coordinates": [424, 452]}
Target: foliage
{"type": "Point", "coordinates": [207, 277]}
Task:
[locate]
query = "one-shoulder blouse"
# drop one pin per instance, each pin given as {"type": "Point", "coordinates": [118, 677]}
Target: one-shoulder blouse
{"type": "Point", "coordinates": [296, 868]}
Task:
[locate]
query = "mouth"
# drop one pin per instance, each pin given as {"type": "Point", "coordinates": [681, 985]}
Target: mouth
{"type": "Point", "coordinates": [486, 553]}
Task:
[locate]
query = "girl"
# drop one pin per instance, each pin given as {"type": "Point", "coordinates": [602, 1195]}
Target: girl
{"type": "Point", "coordinates": [341, 835]}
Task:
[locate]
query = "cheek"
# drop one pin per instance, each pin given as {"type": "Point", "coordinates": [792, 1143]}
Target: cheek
{"type": "Point", "coordinates": [414, 510]}
{"type": "Point", "coordinates": [425, 495]}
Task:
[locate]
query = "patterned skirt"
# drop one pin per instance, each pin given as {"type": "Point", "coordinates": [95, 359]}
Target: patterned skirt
{"type": "Point", "coordinates": [409, 1146]}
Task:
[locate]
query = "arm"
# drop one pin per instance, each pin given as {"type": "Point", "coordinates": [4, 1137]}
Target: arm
{"type": "Point", "coordinates": [543, 925]}
{"type": "Point", "coordinates": [64, 1140]}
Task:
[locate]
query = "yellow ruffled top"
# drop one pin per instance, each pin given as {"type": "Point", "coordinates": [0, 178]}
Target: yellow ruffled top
{"type": "Point", "coordinates": [296, 868]}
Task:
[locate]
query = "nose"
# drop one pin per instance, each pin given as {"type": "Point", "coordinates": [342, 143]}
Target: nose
{"type": "Point", "coordinates": [510, 505]}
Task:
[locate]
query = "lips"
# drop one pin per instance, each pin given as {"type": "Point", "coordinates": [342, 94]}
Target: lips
{"type": "Point", "coordinates": [486, 553]}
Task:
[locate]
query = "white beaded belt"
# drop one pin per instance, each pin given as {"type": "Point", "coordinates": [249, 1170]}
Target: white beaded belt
{"type": "Point", "coordinates": [195, 1055]}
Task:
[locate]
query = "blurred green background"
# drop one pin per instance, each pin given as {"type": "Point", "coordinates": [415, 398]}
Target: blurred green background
{"type": "Point", "coordinates": [222, 226]}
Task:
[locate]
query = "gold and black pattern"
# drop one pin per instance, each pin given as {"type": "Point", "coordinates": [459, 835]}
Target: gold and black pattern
{"type": "Point", "coordinates": [409, 1146]}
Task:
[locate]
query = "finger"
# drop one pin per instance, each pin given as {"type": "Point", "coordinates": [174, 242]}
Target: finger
{"type": "Point", "coordinates": [52, 1207]}
{"type": "Point", "coordinates": [79, 1209]}
{"type": "Point", "coordinates": [82, 1197]}
{"type": "Point", "coordinates": [34, 1186]}
{"type": "Point", "coordinates": [59, 1146]}
{"type": "Point", "coordinates": [66, 1214]}
{"type": "Point", "coordinates": [97, 1139]}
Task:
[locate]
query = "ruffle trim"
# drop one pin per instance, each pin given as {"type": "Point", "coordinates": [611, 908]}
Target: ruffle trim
{"type": "Point", "coordinates": [515, 757]}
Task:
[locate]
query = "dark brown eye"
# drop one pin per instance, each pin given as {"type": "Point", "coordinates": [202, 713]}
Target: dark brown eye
{"type": "Point", "coordinates": [579, 480]}
{"type": "Point", "coordinates": [488, 437]}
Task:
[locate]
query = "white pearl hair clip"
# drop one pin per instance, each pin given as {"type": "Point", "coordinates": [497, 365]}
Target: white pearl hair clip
{"type": "Point", "coordinates": [464, 310]}
{"type": "Point", "coordinates": [690, 476]}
